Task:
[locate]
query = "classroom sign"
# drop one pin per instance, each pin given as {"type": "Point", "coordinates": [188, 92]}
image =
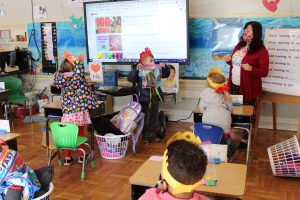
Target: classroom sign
{"type": "Point", "coordinates": [96, 72]}
{"type": "Point", "coordinates": [284, 71]}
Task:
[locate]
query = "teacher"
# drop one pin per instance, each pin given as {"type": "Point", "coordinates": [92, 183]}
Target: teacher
{"type": "Point", "coordinates": [249, 62]}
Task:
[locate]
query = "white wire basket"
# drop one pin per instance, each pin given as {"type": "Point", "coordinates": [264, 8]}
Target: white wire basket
{"type": "Point", "coordinates": [112, 146]}
{"type": "Point", "coordinates": [285, 158]}
{"type": "Point", "coordinates": [46, 196]}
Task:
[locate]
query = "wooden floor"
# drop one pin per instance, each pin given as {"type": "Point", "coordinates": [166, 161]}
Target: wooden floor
{"type": "Point", "coordinates": [109, 179]}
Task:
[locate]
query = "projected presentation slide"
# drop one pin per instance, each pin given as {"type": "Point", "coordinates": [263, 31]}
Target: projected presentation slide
{"type": "Point", "coordinates": [120, 31]}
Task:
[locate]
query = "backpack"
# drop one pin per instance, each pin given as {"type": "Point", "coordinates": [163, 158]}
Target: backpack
{"type": "Point", "coordinates": [14, 172]}
{"type": "Point", "coordinates": [126, 120]}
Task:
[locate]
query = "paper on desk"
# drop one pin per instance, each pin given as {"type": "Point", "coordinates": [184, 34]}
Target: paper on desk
{"type": "Point", "coordinates": [156, 158]}
{"type": "Point", "coordinates": [215, 151]}
{"type": "Point", "coordinates": [4, 125]}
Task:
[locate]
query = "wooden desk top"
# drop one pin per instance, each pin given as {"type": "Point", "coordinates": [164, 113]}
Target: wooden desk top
{"type": "Point", "coordinates": [243, 110]}
{"type": "Point", "coordinates": [57, 105]}
{"type": "Point", "coordinates": [231, 178]}
{"type": "Point", "coordinates": [280, 98]}
{"type": "Point", "coordinates": [9, 136]}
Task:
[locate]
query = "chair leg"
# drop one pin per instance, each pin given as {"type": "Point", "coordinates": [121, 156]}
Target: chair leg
{"type": "Point", "coordinates": [83, 164]}
{"type": "Point", "coordinates": [59, 159]}
{"type": "Point", "coordinates": [50, 157]}
{"type": "Point", "coordinates": [133, 143]}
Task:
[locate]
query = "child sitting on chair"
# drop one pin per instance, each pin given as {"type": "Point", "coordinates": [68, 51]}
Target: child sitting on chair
{"type": "Point", "coordinates": [149, 97]}
{"type": "Point", "coordinates": [183, 166]}
{"type": "Point", "coordinates": [215, 103]}
{"type": "Point", "coordinates": [77, 97]}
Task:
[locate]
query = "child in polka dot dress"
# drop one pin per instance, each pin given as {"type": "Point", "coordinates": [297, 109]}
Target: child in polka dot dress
{"type": "Point", "coordinates": [76, 98]}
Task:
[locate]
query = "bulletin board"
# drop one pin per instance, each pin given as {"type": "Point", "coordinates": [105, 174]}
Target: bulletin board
{"type": "Point", "coordinates": [203, 34]}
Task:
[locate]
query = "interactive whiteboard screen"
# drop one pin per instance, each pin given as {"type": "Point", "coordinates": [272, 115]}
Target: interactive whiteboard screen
{"type": "Point", "coordinates": [118, 31]}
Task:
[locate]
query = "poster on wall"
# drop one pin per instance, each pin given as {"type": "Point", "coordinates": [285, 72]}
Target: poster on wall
{"type": "Point", "coordinates": [226, 34]}
{"type": "Point", "coordinates": [284, 52]}
{"type": "Point", "coordinates": [70, 37]}
{"type": "Point", "coordinates": [96, 72]}
{"type": "Point", "coordinates": [171, 83]}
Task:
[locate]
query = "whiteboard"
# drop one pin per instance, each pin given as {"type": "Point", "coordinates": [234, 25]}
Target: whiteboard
{"type": "Point", "coordinates": [284, 51]}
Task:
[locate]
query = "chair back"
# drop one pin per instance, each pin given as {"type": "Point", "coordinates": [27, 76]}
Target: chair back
{"type": "Point", "coordinates": [64, 134]}
{"type": "Point", "coordinates": [14, 85]}
{"type": "Point", "coordinates": [208, 132]}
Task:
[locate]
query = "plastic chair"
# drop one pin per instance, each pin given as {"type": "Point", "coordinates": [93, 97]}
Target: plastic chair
{"type": "Point", "coordinates": [14, 85]}
{"type": "Point", "coordinates": [65, 137]}
{"type": "Point", "coordinates": [208, 132]}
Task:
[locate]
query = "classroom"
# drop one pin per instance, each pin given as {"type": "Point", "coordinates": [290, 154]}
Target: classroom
{"type": "Point", "coordinates": [149, 99]}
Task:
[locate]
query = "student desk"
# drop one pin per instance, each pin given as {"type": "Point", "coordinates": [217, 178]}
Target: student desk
{"type": "Point", "coordinates": [55, 108]}
{"type": "Point", "coordinates": [231, 179]}
{"type": "Point", "coordinates": [10, 139]}
{"type": "Point", "coordinates": [112, 92]}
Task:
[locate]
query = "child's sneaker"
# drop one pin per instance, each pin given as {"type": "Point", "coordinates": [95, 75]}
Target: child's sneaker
{"type": "Point", "coordinates": [68, 161]}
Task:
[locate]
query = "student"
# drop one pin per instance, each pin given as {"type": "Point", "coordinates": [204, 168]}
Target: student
{"type": "Point", "coordinates": [77, 97]}
{"type": "Point", "coordinates": [216, 103]}
{"type": "Point", "coordinates": [149, 97]}
{"type": "Point", "coordinates": [184, 165]}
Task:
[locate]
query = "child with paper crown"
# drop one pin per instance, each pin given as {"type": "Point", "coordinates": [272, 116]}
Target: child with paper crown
{"type": "Point", "coordinates": [76, 97]}
{"type": "Point", "coordinates": [183, 166]}
{"type": "Point", "coordinates": [149, 97]}
{"type": "Point", "coordinates": [215, 103]}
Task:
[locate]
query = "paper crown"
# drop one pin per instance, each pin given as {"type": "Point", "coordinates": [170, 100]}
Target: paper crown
{"type": "Point", "coordinates": [72, 59]}
{"type": "Point", "coordinates": [145, 53]}
{"type": "Point", "coordinates": [177, 186]}
{"type": "Point", "coordinates": [212, 84]}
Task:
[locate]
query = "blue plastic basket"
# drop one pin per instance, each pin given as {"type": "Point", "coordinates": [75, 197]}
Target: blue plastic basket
{"type": "Point", "coordinates": [208, 133]}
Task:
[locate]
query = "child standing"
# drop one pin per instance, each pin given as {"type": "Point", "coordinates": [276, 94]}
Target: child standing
{"type": "Point", "coordinates": [77, 97]}
{"type": "Point", "coordinates": [183, 166]}
{"type": "Point", "coordinates": [149, 97]}
{"type": "Point", "coordinates": [216, 102]}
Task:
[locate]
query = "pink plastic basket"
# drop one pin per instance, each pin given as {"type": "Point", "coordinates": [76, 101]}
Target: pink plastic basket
{"type": "Point", "coordinates": [285, 158]}
{"type": "Point", "coordinates": [112, 146]}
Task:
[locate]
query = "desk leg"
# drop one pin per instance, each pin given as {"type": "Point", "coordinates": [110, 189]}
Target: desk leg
{"type": "Point", "coordinates": [47, 136]}
{"type": "Point", "coordinates": [109, 104]}
{"type": "Point", "coordinates": [274, 118]}
{"type": "Point", "coordinates": [92, 140]}
{"type": "Point", "coordinates": [257, 116]}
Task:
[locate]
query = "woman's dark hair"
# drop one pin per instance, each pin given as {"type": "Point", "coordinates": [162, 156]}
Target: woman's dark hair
{"type": "Point", "coordinates": [256, 43]}
{"type": "Point", "coordinates": [186, 162]}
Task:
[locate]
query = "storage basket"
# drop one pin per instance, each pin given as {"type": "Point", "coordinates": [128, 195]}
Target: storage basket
{"type": "Point", "coordinates": [112, 146]}
{"type": "Point", "coordinates": [46, 196]}
{"type": "Point", "coordinates": [285, 158]}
